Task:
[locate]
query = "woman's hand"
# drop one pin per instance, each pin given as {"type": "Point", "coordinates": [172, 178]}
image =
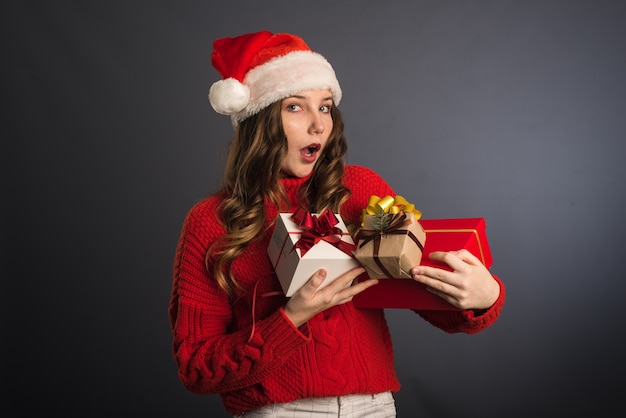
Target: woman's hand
{"type": "Point", "coordinates": [309, 300]}
{"type": "Point", "coordinates": [469, 286]}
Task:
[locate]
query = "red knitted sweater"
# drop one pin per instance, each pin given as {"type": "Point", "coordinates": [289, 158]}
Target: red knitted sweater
{"type": "Point", "coordinates": [256, 359]}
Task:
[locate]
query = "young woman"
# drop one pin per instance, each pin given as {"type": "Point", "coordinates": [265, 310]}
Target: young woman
{"type": "Point", "coordinates": [234, 331]}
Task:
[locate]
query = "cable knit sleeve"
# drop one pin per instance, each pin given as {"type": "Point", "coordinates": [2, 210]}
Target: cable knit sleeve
{"type": "Point", "coordinates": [210, 357]}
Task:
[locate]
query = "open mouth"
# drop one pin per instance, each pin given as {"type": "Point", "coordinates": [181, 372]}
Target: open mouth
{"type": "Point", "coordinates": [311, 149]}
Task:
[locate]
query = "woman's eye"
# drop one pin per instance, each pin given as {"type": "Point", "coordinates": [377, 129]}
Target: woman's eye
{"type": "Point", "coordinates": [325, 108]}
{"type": "Point", "coordinates": [293, 107]}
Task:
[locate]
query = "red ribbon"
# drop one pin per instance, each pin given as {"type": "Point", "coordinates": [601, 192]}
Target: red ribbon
{"type": "Point", "coordinates": [316, 228]}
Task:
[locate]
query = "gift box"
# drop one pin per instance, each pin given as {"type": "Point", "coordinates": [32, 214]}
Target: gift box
{"type": "Point", "coordinates": [391, 240]}
{"type": "Point", "coordinates": [303, 243]}
{"type": "Point", "coordinates": [391, 250]}
{"type": "Point", "coordinates": [441, 235]}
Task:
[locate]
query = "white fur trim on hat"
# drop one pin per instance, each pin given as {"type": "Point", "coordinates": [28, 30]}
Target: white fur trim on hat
{"type": "Point", "coordinates": [278, 78]}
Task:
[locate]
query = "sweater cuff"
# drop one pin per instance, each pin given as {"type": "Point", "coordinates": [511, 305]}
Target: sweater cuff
{"type": "Point", "coordinates": [303, 330]}
{"type": "Point", "coordinates": [278, 334]}
{"type": "Point", "coordinates": [479, 319]}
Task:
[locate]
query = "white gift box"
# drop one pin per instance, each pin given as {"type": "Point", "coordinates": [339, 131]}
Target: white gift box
{"type": "Point", "coordinates": [294, 269]}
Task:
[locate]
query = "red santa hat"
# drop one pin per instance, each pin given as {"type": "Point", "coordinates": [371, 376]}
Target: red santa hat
{"type": "Point", "coordinates": [261, 68]}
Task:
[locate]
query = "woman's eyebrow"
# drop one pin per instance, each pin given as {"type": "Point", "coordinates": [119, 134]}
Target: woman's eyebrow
{"type": "Point", "coordinates": [298, 96]}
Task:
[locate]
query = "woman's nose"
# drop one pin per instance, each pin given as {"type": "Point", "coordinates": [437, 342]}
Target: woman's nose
{"type": "Point", "coordinates": [317, 124]}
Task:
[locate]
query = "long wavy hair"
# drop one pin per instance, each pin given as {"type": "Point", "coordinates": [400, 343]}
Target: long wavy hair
{"type": "Point", "coordinates": [252, 178]}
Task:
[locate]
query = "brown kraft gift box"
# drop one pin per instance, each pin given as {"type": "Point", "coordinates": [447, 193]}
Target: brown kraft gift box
{"type": "Point", "coordinates": [393, 252]}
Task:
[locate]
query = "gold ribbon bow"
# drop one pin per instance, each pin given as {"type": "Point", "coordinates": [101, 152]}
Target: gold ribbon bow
{"type": "Point", "coordinates": [389, 204]}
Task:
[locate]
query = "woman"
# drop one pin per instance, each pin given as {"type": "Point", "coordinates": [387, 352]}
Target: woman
{"type": "Point", "coordinates": [234, 331]}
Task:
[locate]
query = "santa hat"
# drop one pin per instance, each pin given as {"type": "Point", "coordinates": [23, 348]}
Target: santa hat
{"type": "Point", "coordinates": [261, 68]}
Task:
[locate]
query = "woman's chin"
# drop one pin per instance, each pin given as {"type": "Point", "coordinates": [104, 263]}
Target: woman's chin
{"type": "Point", "coordinates": [297, 174]}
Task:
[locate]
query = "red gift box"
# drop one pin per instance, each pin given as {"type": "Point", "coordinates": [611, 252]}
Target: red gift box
{"type": "Point", "coordinates": [441, 235]}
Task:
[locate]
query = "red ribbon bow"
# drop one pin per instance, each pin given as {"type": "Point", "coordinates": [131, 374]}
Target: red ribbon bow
{"type": "Point", "coordinates": [319, 228]}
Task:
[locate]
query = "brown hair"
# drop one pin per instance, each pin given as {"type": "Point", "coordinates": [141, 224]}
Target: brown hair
{"type": "Point", "coordinates": [256, 151]}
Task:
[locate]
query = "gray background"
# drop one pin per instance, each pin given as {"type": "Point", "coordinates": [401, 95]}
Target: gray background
{"type": "Point", "coordinates": [508, 110]}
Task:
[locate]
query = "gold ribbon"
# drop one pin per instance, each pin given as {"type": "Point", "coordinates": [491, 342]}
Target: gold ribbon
{"type": "Point", "coordinates": [389, 204]}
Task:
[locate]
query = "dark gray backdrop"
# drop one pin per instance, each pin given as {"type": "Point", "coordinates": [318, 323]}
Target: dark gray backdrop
{"type": "Point", "coordinates": [508, 110]}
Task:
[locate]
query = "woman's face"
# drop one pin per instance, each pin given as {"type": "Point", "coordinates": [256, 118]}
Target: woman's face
{"type": "Point", "coordinates": [307, 123]}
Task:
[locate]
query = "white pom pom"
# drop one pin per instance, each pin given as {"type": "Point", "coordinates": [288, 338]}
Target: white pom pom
{"type": "Point", "coordinates": [229, 96]}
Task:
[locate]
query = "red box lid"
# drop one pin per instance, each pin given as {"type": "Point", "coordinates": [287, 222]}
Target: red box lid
{"type": "Point", "coordinates": [441, 235]}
